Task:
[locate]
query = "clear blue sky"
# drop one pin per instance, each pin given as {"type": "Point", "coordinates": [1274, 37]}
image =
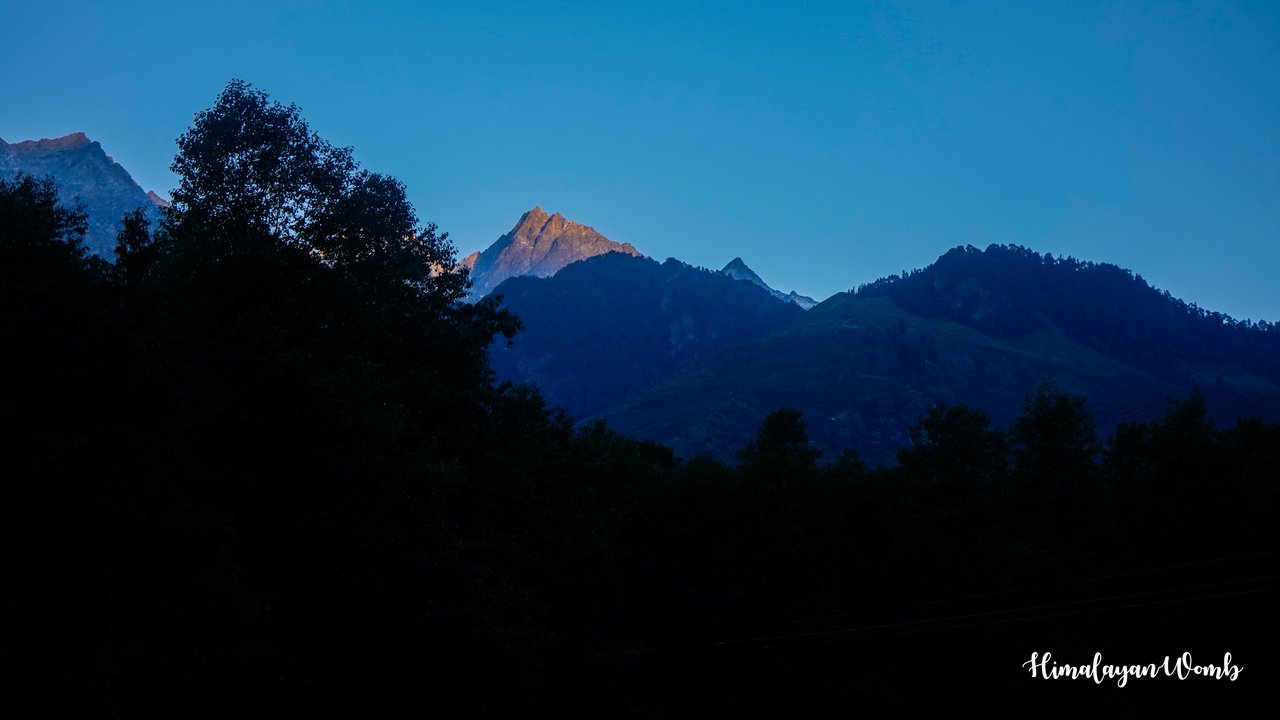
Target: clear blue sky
{"type": "Point", "coordinates": [827, 144]}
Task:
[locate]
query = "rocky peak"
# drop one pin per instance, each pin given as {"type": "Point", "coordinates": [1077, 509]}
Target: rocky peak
{"type": "Point", "coordinates": [738, 270]}
{"type": "Point", "coordinates": [83, 172]}
{"type": "Point", "coordinates": [539, 245]}
{"type": "Point", "coordinates": [156, 199]}
{"type": "Point", "coordinates": [530, 223]}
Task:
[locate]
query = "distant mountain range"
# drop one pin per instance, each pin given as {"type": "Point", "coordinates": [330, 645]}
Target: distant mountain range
{"type": "Point", "coordinates": [696, 358]}
{"type": "Point", "coordinates": [540, 245]}
{"type": "Point", "coordinates": [978, 327]}
{"type": "Point", "coordinates": [603, 322]}
{"type": "Point", "coordinates": [675, 354]}
{"type": "Point", "coordinates": [84, 171]}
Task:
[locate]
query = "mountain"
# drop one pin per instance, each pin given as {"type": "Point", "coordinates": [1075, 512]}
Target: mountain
{"type": "Point", "coordinates": [82, 169]}
{"type": "Point", "coordinates": [804, 301]}
{"type": "Point", "coordinates": [469, 262]}
{"type": "Point", "coordinates": [738, 270]}
{"type": "Point", "coordinates": [157, 200]}
{"type": "Point", "coordinates": [606, 327]}
{"type": "Point", "coordinates": [539, 246]}
{"type": "Point", "coordinates": [979, 327]}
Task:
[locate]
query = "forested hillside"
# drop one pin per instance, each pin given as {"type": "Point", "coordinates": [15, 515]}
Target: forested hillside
{"type": "Point", "coordinates": [604, 328]}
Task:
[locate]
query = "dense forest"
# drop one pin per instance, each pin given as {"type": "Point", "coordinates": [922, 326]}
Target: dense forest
{"type": "Point", "coordinates": [260, 465]}
{"type": "Point", "coordinates": [1009, 290]}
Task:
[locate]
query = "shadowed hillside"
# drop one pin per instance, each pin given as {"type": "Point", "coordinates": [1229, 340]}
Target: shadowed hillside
{"type": "Point", "coordinates": [609, 326]}
{"type": "Point", "coordinates": [983, 328]}
{"type": "Point", "coordinates": [1010, 291]}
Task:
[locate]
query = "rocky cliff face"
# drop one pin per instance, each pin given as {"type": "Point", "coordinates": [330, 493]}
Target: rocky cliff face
{"type": "Point", "coordinates": [539, 246]}
{"type": "Point", "coordinates": [82, 170]}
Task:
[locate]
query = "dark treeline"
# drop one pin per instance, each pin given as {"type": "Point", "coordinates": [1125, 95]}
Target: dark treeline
{"type": "Point", "coordinates": [259, 465]}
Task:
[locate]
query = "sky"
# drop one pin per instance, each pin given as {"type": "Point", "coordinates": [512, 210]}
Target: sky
{"type": "Point", "coordinates": [827, 144]}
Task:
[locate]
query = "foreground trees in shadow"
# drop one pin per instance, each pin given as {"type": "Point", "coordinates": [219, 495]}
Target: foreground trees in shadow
{"type": "Point", "coordinates": [259, 465]}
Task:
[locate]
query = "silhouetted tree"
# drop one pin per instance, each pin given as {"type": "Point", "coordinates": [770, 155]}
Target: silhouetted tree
{"type": "Point", "coordinates": [781, 446]}
{"type": "Point", "coordinates": [954, 446]}
{"type": "Point", "coordinates": [1053, 440]}
{"type": "Point", "coordinates": [1054, 490]}
{"type": "Point", "coordinates": [136, 251]}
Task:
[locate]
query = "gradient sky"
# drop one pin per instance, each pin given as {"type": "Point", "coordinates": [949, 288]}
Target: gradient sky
{"type": "Point", "coordinates": [826, 144]}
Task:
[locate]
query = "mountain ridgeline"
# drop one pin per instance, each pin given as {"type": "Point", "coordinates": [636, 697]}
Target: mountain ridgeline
{"type": "Point", "coordinates": [738, 270]}
{"type": "Point", "coordinates": [82, 170]}
{"type": "Point", "coordinates": [696, 359]}
{"type": "Point", "coordinates": [1010, 291]}
{"type": "Point", "coordinates": [640, 344]}
{"type": "Point", "coordinates": [982, 328]}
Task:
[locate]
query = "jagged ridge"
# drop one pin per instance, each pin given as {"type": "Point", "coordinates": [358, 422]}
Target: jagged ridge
{"type": "Point", "coordinates": [82, 170]}
{"type": "Point", "coordinates": [738, 270]}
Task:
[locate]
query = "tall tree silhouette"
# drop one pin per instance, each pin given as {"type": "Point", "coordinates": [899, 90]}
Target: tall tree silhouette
{"type": "Point", "coordinates": [781, 446]}
{"type": "Point", "coordinates": [1054, 438]}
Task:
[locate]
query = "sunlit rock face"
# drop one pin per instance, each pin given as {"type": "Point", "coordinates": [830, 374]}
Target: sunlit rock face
{"type": "Point", "coordinates": [83, 170]}
{"type": "Point", "coordinates": [539, 246]}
